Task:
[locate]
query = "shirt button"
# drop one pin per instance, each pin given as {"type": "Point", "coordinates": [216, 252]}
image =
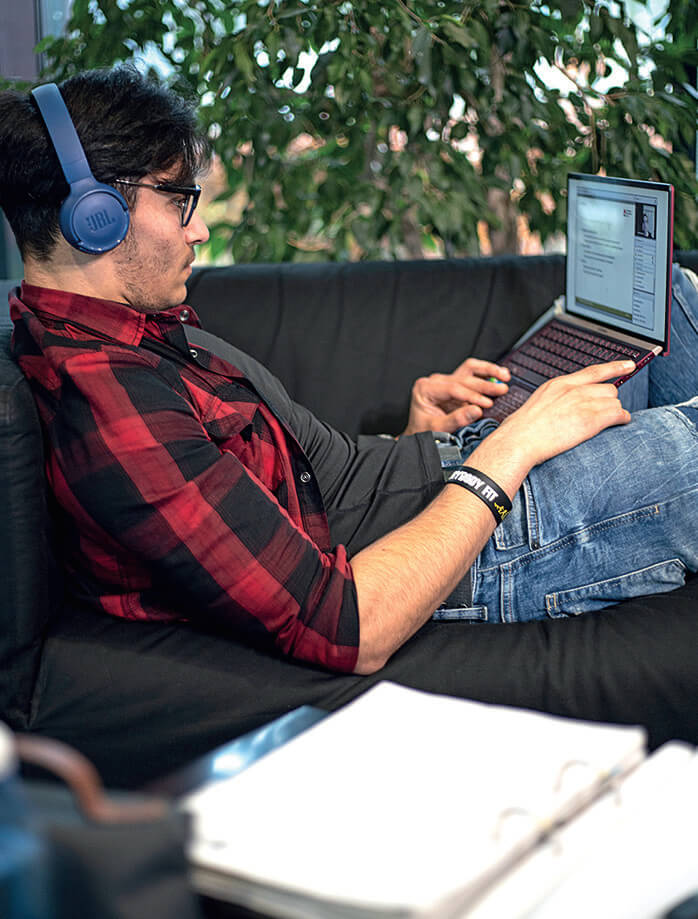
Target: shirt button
{"type": "Point", "coordinates": [305, 477]}
{"type": "Point", "coordinates": [193, 352]}
{"type": "Point", "coordinates": [184, 315]}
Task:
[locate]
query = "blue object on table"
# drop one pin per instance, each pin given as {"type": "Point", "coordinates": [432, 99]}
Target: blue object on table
{"type": "Point", "coordinates": [23, 856]}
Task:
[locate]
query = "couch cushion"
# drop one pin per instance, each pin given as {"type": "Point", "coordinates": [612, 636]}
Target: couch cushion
{"type": "Point", "coordinates": [141, 699]}
{"type": "Point", "coordinates": [24, 543]}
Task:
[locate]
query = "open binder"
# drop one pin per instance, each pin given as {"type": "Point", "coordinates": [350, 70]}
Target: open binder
{"type": "Point", "coordinates": [401, 804]}
{"type": "Point", "coordinates": [630, 855]}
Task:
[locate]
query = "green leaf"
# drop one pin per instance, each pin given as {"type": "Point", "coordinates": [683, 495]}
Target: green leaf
{"type": "Point", "coordinates": [458, 34]}
{"type": "Point", "coordinates": [243, 61]}
{"type": "Point", "coordinates": [421, 51]}
{"type": "Point", "coordinates": [358, 162]}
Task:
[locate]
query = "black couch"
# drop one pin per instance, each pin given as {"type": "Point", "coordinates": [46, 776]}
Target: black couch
{"type": "Point", "coordinates": [141, 699]}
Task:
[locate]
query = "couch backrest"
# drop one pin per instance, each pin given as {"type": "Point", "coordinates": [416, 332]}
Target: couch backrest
{"type": "Point", "coordinates": [28, 570]}
{"type": "Point", "coordinates": [342, 336]}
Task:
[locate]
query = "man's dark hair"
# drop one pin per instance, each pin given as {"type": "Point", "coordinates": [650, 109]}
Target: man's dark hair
{"type": "Point", "coordinates": [129, 126]}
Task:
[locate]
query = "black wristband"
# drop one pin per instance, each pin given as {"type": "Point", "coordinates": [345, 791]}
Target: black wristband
{"type": "Point", "coordinates": [481, 485]}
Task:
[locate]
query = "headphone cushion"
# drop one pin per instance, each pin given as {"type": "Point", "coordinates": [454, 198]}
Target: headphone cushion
{"type": "Point", "coordinates": [94, 217]}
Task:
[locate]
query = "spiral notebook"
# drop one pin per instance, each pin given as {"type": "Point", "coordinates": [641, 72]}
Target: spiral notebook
{"type": "Point", "coordinates": [401, 804]}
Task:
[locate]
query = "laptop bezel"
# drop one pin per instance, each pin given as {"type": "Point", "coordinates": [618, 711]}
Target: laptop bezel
{"type": "Point", "coordinates": [668, 190]}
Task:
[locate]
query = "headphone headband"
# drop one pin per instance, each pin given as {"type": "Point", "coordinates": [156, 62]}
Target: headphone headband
{"type": "Point", "coordinates": [94, 217]}
{"type": "Point", "coordinates": [62, 132]}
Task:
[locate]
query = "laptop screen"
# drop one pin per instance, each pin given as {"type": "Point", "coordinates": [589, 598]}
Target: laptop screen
{"type": "Point", "coordinates": [619, 249]}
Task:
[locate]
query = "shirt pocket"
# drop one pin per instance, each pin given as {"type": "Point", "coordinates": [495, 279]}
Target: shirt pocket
{"type": "Point", "coordinates": [655, 579]}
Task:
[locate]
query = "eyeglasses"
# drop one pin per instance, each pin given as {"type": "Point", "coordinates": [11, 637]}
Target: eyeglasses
{"type": "Point", "coordinates": [189, 195]}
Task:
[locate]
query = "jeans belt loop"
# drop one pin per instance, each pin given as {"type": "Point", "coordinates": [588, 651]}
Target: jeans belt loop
{"type": "Point", "coordinates": [448, 449]}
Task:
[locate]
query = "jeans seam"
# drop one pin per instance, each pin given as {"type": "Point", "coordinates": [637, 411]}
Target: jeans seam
{"type": "Point", "coordinates": [505, 593]}
{"type": "Point", "coordinates": [681, 416]}
{"type": "Point", "coordinates": [531, 508]}
{"type": "Point", "coordinates": [678, 293]}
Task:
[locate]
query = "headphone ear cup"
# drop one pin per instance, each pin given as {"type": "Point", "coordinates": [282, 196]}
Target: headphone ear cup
{"type": "Point", "coordinates": [94, 217]}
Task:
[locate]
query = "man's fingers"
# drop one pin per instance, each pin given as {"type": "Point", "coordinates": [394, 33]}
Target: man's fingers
{"type": "Point", "coordinates": [462, 416]}
{"type": "Point", "coordinates": [598, 373]}
{"type": "Point", "coordinates": [477, 367]}
{"type": "Point", "coordinates": [456, 393]}
{"type": "Point", "coordinates": [442, 389]}
{"type": "Point", "coordinates": [486, 372]}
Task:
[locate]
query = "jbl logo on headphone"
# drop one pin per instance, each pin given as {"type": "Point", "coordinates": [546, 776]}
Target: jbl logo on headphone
{"type": "Point", "coordinates": [99, 220]}
{"type": "Point", "coordinates": [94, 217]}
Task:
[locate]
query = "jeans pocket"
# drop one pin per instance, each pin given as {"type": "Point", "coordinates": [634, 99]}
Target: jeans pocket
{"type": "Point", "coordinates": [655, 579]}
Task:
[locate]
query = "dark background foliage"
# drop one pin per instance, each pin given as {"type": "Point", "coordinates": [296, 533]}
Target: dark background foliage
{"type": "Point", "coordinates": [391, 129]}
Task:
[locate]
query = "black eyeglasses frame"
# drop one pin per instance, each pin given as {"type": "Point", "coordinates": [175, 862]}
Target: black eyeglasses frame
{"type": "Point", "coordinates": [191, 192]}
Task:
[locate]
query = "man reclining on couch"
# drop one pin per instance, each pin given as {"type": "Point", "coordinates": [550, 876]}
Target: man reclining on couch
{"type": "Point", "coordinates": [190, 487]}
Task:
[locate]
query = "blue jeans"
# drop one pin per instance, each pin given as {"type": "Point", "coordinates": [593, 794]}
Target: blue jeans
{"type": "Point", "coordinates": [617, 516]}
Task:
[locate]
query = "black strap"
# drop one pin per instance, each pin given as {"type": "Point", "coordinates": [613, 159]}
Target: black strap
{"type": "Point", "coordinates": [266, 385]}
{"type": "Point", "coordinates": [269, 387]}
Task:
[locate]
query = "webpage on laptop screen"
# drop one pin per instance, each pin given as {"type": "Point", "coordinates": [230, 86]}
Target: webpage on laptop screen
{"type": "Point", "coordinates": [617, 255]}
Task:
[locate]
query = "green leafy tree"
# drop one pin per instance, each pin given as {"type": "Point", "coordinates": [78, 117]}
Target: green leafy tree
{"type": "Point", "coordinates": [404, 127]}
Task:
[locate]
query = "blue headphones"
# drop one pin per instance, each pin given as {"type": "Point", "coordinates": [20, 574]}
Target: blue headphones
{"type": "Point", "coordinates": [94, 217]}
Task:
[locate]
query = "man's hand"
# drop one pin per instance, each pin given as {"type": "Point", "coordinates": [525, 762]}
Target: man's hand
{"type": "Point", "coordinates": [564, 412]}
{"type": "Point", "coordinates": [447, 402]}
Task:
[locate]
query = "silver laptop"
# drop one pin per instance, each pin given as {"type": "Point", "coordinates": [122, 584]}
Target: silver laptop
{"type": "Point", "coordinates": [618, 290]}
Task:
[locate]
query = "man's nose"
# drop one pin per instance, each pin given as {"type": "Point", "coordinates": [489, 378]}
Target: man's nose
{"type": "Point", "coordinates": [196, 229]}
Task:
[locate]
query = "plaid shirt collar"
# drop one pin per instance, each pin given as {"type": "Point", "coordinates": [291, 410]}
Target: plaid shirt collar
{"type": "Point", "coordinates": [115, 321]}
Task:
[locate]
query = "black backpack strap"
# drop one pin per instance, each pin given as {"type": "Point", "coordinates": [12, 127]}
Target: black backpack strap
{"type": "Point", "coordinates": [267, 386]}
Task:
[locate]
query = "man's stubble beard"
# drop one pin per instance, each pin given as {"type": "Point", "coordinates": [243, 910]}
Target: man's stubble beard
{"type": "Point", "coordinates": [139, 275]}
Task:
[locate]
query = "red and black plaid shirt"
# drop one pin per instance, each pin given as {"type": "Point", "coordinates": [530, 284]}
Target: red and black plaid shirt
{"type": "Point", "coordinates": [182, 496]}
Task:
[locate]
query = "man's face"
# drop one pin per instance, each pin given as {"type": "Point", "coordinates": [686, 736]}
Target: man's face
{"type": "Point", "coordinates": [154, 260]}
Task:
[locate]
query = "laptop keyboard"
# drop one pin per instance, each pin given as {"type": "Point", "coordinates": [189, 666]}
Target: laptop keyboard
{"type": "Point", "coordinates": [558, 350]}
{"type": "Point", "coordinates": [504, 405]}
{"type": "Point", "coordinates": [555, 349]}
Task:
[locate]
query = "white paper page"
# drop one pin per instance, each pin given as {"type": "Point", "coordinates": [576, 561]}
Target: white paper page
{"type": "Point", "coordinates": [637, 856]}
{"type": "Point", "coordinates": [397, 799]}
{"type": "Point", "coordinates": [527, 889]}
